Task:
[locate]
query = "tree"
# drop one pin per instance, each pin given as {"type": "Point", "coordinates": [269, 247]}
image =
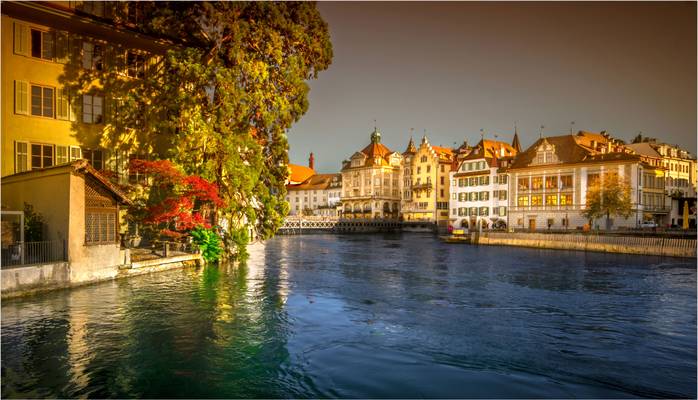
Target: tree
{"type": "Point", "coordinates": [608, 196]}
{"type": "Point", "coordinates": [177, 203]}
{"type": "Point", "coordinates": [219, 102]}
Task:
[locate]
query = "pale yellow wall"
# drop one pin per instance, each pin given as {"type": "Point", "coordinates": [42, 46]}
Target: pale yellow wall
{"type": "Point", "coordinates": [30, 128]}
{"type": "Point", "coordinates": [47, 193]}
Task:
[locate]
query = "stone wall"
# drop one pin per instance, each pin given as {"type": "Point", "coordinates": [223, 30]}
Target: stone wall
{"type": "Point", "coordinates": [655, 246]}
{"type": "Point", "coordinates": [35, 277]}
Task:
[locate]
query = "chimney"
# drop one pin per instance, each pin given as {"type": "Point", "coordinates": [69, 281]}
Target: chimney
{"type": "Point", "coordinates": [311, 161]}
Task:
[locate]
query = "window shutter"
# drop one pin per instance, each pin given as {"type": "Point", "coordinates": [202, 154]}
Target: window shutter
{"type": "Point", "coordinates": [62, 47]}
{"type": "Point", "coordinates": [21, 39]}
{"type": "Point", "coordinates": [62, 104]}
{"type": "Point", "coordinates": [21, 156]}
{"type": "Point", "coordinates": [21, 97]}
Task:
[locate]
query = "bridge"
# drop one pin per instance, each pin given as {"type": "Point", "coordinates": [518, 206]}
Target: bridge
{"type": "Point", "coordinates": [297, 226]}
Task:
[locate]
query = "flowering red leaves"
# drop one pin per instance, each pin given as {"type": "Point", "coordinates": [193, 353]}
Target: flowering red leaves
{"type": "Point", "coordinates": [178, 202]}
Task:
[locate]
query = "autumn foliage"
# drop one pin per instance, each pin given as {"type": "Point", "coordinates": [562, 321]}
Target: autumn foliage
{"type": "Point", "coordinates": [176, 202]}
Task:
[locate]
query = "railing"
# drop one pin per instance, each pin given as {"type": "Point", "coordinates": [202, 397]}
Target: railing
{"type": "Point", "coordinates": [27, 253]}
{"type": "Point", "coordinates": [167, 249]}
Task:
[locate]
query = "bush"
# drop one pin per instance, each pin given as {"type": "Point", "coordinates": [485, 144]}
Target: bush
{"type": "Point", "coordinates": [209, 242]}
{"type": "Point", "coordinates": [33, 224]}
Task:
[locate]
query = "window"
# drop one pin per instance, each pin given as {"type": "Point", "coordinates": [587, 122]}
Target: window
{"type": "Point", "coordinates": [92, 56]}
{"type": "Point", "coordinates": [100, 227]}
{"type": "Point", "coordinates": [423, 159]}
{"type": "Point", "coordinates": [62, 104]}
{"type": "Point", "coordinates": [470, 166]}
{"type": "Point", "coordinates": [442, 168]}
{"type": "Point", "coordinates": [524, 183]}
{"type": "Point", "coordinates": [473, 211]}
{"type": "Point", "coordinates": [42, 155]}
{"type": "Point", "coordinates": [592, 179]}
{"type": "Point", "coordinates": [565, 199]}
{"type": "Point", "coordinates": [428, 168]}
{"type": "Point", "coordinates": [551, 182]}
{"type": "Point", "coordinates": [42, 44]}
{"type": "Point", "coordinates": [94, 157]}
{"type": "Point", "coordinates": [537, 182]}
{"type": "Point", "coordinates": [75, 153]}
{"type": "Point", "coordinates": [502, 195]}
{"type": "Point", "coordinates": [565, 181]}
{"type": "Point", "coordinates": [92, 112]}
{"type": "Point", "coordinates": [537, 200]}
{"type": "Point", "coordinates": [502, 211]}
{"type": "Point", "coordinates": [503, 179]}
{"type": "Point", "coordinates": [419, 170]}
{"type": "Point", "coordinates": [61, 154]}
{"type": "Point", "coordinates": [484, 211]}
{"type": "Point", "coordinates": [551, 200]}
{"type": "Point", "coordinates": [42, 101]}
{"type": "Point", "coordinates": [522, 201]}
{"type": "Point", "coordinates": [21, 156]}
{"type": "Point", "coordinates": [441, 180]}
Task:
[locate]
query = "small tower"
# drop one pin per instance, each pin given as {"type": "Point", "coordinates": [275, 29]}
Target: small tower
{"type": "Point", "coordinates": [375, 136]}
{"type": "Point", "coordinates": [515, 143]}
{"type": "Point", "coordinates": [410, 147]}
{"type": "Point", "coordinates": [311, 161]}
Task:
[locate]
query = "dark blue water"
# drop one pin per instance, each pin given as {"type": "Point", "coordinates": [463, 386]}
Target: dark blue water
{"type": "Point", "coordinates": [366, 316]}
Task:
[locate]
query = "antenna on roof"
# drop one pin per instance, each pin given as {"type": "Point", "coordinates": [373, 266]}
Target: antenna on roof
{"type": "Point", "coordinates": [375, 124]}
{"type": "Point", "coordinates": [541, 131]}
{"type": "Point", "coordinates": [571, 127]}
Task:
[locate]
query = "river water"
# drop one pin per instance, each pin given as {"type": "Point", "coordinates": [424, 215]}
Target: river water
{"type": "Point", "coordinates": [366, 316]}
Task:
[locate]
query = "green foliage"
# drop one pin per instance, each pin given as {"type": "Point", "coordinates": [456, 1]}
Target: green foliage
{"type": "Point", "coordinates": [209, 242]}
{"type": "Point", "coordinates": [33, 224]}
{"type": "Point", "coordinates": [219, 102]}
{"type": "Point", "coordinates": [238, 240]}
{"type": "Point", "coordinates": [610, 196]}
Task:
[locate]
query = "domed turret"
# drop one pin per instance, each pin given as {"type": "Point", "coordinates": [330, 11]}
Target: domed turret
{"type": "Point", "coordinates": [375, 136]}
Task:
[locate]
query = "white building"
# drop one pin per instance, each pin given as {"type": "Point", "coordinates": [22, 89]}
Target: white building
{"type": "Point", "coordinates": [480, 187]}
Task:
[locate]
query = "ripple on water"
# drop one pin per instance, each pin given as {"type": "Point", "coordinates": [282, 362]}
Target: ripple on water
{"type": "Point", "coordinates": [366, 316]}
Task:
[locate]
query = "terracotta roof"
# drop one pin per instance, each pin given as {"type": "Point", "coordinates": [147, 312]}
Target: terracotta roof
{"type": "Point", "coordinates": [443, 151]}
{"type": "Point", "coordinates": [374, 151]}
{"type": "Point", "coordinates": [299, 174]}
{"type": "Point", "coordinates": [584, 138]}
{"type": "Point", "coordinates": [569, 151]}
{"type": "Point", "coordinates": [315, 182]}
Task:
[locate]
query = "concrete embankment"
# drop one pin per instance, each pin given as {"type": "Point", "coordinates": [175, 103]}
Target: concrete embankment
{"type": "Point", "coordinates": [30, 279]}
{"type": "Point", "coordinates": [651, 246]}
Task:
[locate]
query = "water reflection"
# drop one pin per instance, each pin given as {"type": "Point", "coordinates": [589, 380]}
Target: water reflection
{"type": "Point", "coordinates": [366, 316]}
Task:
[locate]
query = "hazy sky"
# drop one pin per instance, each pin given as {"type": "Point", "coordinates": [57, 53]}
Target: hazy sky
{"type": "Point", "coordinates": [454, 68]}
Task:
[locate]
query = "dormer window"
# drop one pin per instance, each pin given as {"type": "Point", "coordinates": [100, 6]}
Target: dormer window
{"type": "Point", "coordinates": [545, 154]}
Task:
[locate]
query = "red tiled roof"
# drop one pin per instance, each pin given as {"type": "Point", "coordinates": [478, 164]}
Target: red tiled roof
{"type": "Point", "coordinates": [299, 174]}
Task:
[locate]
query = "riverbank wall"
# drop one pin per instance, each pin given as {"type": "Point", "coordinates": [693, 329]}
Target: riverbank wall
{"type": "Point", "coordinates": [650, 246]}
{"type": "Point", "coordinates": [30, 279]}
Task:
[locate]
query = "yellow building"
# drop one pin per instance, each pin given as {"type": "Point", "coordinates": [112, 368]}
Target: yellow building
{"type": "Point", "coordinates": [427, 191]}
{"type": "Point", "coordinates": [45, 45]}
{"type": "Point", "coordinates": [371, 182]}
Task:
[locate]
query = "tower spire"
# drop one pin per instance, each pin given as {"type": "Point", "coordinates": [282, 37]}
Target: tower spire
{"type": "Point", "coordinates": [515, 143]}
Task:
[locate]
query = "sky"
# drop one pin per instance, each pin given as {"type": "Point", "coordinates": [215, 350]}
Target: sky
{"type": "Point", "coordinates": [451, 69]}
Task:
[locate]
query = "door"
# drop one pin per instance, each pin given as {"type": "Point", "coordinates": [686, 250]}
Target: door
{"type": "Point", "coordinates": [532, 224]}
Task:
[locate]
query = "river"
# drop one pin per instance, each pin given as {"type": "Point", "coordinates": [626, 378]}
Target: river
{"type": "Point", "coordinates": [366, 316]}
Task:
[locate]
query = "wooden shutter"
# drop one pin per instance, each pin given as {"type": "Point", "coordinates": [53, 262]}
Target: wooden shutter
{"type": "Point", "coordinates": [21, 42]}
{"type": "Point", "coordinates": [21, 156]}
{"type": "Point", "coordinates": [21, 97]}
{"type": "Point", "coordinates": [62, 47]}
{"type": "Point", "coordinates": [62, 104]}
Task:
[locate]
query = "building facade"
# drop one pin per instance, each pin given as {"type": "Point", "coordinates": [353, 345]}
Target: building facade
{"type": "Point", "coordinates": [549, 182]}
{"type": "Point", "coordinates": [480, 187]}
{"type": "Point", "coordinates": [44, 44]}
{"type": "Point", "coordinates": [372, 182]}
{"type": "Point", "coordinates": [426, 197]}
{"type": "Point", "coordinates": [313, 197]}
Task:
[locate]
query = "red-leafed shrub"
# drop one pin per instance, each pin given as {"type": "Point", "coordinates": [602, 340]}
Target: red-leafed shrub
{"type": "Point", "coordinates": [176, 203]}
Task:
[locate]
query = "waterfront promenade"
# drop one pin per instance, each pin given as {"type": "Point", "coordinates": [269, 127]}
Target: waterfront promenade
{"type": "Point", "coordinates": [380, 315]}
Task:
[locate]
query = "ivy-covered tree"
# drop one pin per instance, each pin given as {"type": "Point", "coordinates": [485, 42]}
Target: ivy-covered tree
{"type": "Point", "coordinates": [219, 101]}
{"type": "Point", "coordinates": [608, 196]}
